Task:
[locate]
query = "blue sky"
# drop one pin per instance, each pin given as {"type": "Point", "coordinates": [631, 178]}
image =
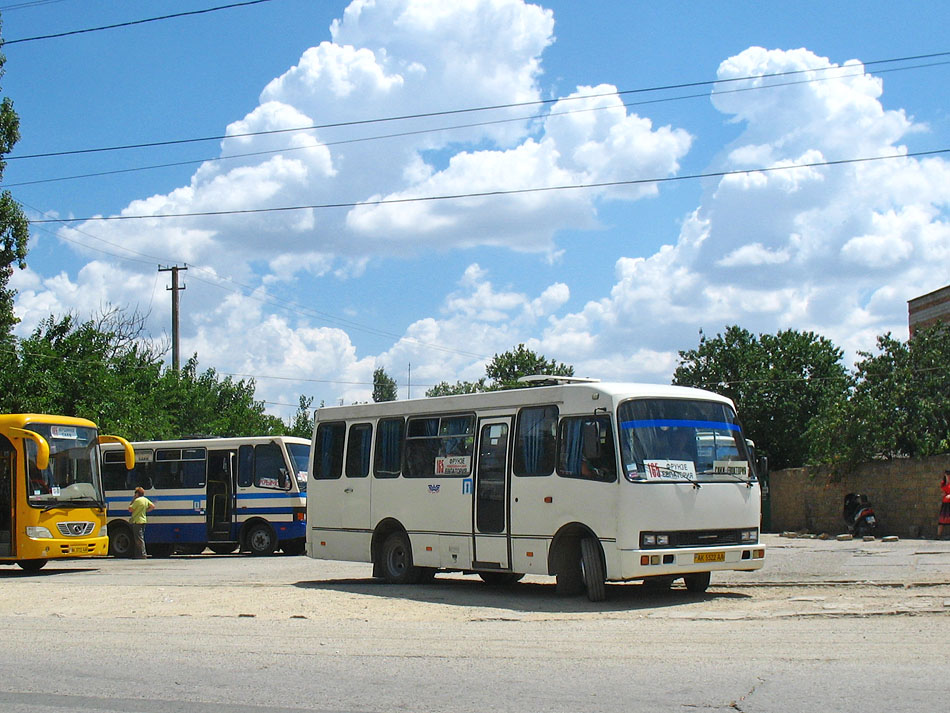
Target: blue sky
{"type": "Point", "coordinates": [612, 280]}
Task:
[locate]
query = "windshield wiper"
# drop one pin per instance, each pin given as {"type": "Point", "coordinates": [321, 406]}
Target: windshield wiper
{"type": "Point", "coordinates": [732, 476]}
{"type": "Point", "coordinates": [75, 502]}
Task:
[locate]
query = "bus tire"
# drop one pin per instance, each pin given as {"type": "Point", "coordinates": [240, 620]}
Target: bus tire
{"type": "Point", "coordinates": [500, 579]}
{"type": "Point", "coordinates": [592, 568]}
{"type": "Point", "coordinates": [395, 559]}
{"type": "Point", "coordinates": [261, 540]}
{"type": "Point", "coordinates": [120, 541]}
{"type": "Point", "coordinates": [32, 565]}
{"type": "Point", "coordinates": [697, 583]}
{"type": "Point", "coordinates": [223, 548]}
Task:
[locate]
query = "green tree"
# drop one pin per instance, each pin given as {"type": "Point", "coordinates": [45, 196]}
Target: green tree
{"type": "Point", "coordinates": [302, 423]}
{"type": "Point", "coordinates": [503, 371]}
{"type": "Point", "coordinates": [899, 406]}
{"type": "Point", "coordinates": [14, 228]}
{"type": "Point", "coordinates": [384, 386]}
{"type": "Point", "coordinates": [780, 383]}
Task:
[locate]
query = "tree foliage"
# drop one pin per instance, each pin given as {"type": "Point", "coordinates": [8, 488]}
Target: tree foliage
{"type": "Point", "coordinates": [384, 386]}
{"type": "Point", "coordinates": [14, 228]}
{"type": "Point", "coordinates": [899, 406]}
{"type": "Point", "coordinates": [503, 372]}
{"type": "Point", "coordinates": [780, 384]}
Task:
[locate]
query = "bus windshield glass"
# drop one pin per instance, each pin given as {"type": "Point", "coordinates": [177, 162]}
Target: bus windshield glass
{"type": "Point", "coordinates": [72, 477]}
{"type": "Point", "coordinates": [682, 440]}
{"type": "Point", "coordinates": [299, 456]}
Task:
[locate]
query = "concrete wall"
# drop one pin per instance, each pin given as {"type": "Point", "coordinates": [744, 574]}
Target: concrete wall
{"type": "Point", "coordinates": [905, 495]}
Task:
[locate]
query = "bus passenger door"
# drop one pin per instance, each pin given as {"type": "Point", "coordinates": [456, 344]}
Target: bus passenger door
{"type": "Point", "coordinates": [220, 506]}
{"type": "Point", "coordinates": [490, 517]}
{"type": "Point", "coordinates": [7, 472]}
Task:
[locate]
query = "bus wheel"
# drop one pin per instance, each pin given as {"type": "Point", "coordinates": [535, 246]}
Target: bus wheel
{"type": "Point", "coordinates": [120, 541]}
{"type": "Point", "coordinates": [261, 540]}
{"type": "Point", "coordinates": [500, 579]}
{"type": "Point", "coordinates": [570, 579]}
{"type": "Point", "coordinates": [222, 548]}
{"type": "Point", "coordinates": [396, 560]}
{"type": "Point", "coordinates": [592, 568]}
{"type": "Point", "coordinates": [32, 565]}
{"type": "Point", "coordinates": [697, 583]}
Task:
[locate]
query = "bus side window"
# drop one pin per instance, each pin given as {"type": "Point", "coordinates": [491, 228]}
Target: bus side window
{"type": "Point", "coordinates": [357, 450]}
{"type": "Point", "coordinates": [328, 453]}
{"type": "Point", "coordinates": [390, 435]}
{"type": "Point", "coordinates": [268, 465]}
{"type": "Point", "coordinates": [579, 456]}
{"type": "Point", "coordinates": [535, 438]}
{"type": "Point", "coordinates": [245, 466]}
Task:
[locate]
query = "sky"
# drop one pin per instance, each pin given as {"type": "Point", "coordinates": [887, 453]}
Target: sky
{"type": "Point", "coordinates": [601, 182]}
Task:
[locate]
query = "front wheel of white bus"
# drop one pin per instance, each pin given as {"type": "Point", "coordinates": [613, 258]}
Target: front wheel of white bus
{"type": "Point", "coordinates": [592, 570]}
{"type": "Point", "coordinates": [697, 582]}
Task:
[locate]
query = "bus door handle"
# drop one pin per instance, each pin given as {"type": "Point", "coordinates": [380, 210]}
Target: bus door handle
{"type": "Point", "coordinates": [347, 490]}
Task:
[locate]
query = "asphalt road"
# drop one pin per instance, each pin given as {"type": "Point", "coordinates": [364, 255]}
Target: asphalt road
{"type": "Point", "coordinates": [826, 626]}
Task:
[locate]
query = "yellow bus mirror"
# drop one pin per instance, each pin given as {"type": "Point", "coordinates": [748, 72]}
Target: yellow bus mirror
{"type": "Point", "coordinates": [42, 447]}
{"type": "Point", "coordinates": [129, 451]}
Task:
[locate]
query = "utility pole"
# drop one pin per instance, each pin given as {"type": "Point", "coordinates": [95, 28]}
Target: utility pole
{"type": "Point", "coordinates": [175, 289]}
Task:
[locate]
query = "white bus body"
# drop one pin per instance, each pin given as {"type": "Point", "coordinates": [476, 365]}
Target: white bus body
{"type": "Point", "coordinates": [222, 493]}
{"type": "Point", "coordinates": [590, 482]}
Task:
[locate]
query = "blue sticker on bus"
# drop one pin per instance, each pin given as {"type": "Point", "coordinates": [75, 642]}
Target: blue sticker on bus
{"type": "Point", "coordinates": [468, 486]}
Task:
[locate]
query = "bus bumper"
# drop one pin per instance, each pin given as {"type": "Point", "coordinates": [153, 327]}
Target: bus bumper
{"type": "Point", "coordinates": [60, 547]}
{"type": "Point", "coordinates": [637, 564]}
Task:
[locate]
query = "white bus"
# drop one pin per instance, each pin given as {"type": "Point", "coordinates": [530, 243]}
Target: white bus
{"type": "Point", "coordinates": [587, 481]}
{"type": "Point", "coordinates": [220, 493]}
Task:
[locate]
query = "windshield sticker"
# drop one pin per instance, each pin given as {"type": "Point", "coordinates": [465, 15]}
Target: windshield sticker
{"type": "Point", "coordinates": [630, 470]}
{"type": "Point", "coordinates": [65, 432]}
{"type": "Point", "coordinates": [55, 491]}
{"type": "Point", "coordinates": [268, 483]}
{"type": "Point", "coordinates": [739, 468]}
{"type": "Point", "coordinates": [453, 465]}
{"type": "Point", "coordinates": [670, 469]}
{"type": "Point", "coordinates": [302, 476]}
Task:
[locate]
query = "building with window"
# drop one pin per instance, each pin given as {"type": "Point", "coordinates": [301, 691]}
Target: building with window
{"type": "Point", "coordinates": [927, 310]}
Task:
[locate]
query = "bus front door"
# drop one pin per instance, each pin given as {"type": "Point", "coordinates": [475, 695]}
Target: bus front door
{"type": "Point", "coordinates": [220, 508]}
{"type": "Point", "coordinates": [491, 546]}
{"type": "Point", "coordinates": [7, 474]}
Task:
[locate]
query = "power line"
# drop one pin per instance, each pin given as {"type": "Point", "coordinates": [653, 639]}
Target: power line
{"type": "Point", "coordinates": [449, 112]}
{"type": "Point", "coordinates": [454, 127]}
{"type": "Point", "coordinates": [500, 192]}
{"type": "Point", "coordinates": [130, 23]}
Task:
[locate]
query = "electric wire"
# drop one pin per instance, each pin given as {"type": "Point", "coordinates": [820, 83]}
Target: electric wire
{"type": "Point", "coordinates": [500, 192]}
{"type": "Point", "coordinates": [454, 127]}
{"type": "Point", "coordinates": [449, 112]}
{"type": "Point", "coordinates": [131, 23]}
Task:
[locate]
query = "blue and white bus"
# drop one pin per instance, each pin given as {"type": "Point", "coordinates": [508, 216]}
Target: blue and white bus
{"type": "Point", "coordinates": [223, 494]}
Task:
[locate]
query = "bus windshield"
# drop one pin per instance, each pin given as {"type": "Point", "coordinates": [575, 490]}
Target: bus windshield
{"type": "Point", "coordinates": [299, 457]}
{"type": "Point", "coordinates": [677, 440]}
{"type": "Point", "coordinates": [72, 478]}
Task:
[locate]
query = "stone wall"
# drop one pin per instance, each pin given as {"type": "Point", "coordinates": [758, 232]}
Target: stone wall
{"type": "Point", "coordinates": [905, 495]}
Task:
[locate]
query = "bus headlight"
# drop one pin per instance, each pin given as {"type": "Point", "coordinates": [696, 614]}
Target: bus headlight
{"type": "Point", "coordinates": [654, 539]}
{"type": "Point", "coordinates": [748, 536]}
{"type": "Point", "coordinates": [103, 531]}
{"type": "Point", "coordinates": [38, 533]}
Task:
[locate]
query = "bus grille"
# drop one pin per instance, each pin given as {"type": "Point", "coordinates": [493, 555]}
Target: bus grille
{"type": "Point", "coordinates": [704, 538]}
{"type": "Point", "coordinates": [75, 529]}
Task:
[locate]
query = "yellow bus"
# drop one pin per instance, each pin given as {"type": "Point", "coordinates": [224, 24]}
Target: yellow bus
{"type": "Point", "coordinates": [51, 500]}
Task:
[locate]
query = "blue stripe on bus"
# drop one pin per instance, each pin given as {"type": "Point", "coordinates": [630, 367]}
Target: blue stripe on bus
{"type": "Point", "coordinates": [677, 422]}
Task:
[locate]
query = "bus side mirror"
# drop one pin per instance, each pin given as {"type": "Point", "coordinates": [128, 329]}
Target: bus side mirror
{"type": "Point", "coordinates": [762, 466]}
{"type": "Point", "coordinates": [590, 440]}
{"type": "Point", "coordinates": [126, 446]}
{"type": "Point", "coordinates": [42, 447]}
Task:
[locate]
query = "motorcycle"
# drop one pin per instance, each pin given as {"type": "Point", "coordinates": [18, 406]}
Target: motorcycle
{"type": "Point", "coordinates": [859, 515]}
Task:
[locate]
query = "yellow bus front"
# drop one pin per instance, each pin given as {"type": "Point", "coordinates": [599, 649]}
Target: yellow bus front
{"type": "Point", "coordinates": [53, 486]}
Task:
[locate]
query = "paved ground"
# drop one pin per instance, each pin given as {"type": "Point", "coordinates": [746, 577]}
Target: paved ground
{"type": "Point", "coordinates": [826, 626]}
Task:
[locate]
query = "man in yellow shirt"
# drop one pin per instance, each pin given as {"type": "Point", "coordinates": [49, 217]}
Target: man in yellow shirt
{"type": "Point", "coordinates": [139, 507]}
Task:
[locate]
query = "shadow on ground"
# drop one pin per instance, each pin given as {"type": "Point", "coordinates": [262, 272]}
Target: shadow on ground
{"type": "Point", "coordinates": [470, 591]}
